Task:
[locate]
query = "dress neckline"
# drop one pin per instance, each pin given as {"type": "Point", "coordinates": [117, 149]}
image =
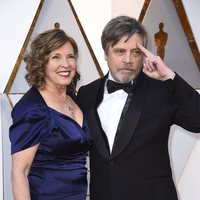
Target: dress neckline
{"type": "Point", "coordinates": [70, 94]}
{"type": "Point", "coordinates": [60, 113]}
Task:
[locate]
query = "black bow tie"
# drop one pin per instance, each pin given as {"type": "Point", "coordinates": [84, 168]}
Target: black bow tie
{"type": "Point", "coordinates": [112, 86]}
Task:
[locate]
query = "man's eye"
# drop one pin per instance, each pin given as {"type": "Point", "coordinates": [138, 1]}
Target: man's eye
{"type": "Point", "coordinates": [136, 53]}
{"type": "Point", "coordinates": [119, 51]}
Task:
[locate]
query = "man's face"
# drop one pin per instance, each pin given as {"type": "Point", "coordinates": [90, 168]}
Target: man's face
{"type": "Point", "coordinates": [124, 59]}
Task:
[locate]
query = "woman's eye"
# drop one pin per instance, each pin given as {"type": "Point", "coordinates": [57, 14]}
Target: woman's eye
{"type": "Point", "coordinates": [55, 57]}
{"type": "Point", "coordinates": [71, 57]}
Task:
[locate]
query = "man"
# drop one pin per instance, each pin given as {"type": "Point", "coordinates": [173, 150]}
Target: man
{"type": "Point", "coordinates": [129, 159]}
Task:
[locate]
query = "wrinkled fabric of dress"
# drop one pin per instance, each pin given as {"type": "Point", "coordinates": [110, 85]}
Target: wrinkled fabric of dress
{"type": "Point", "coordinates": [58, 170]}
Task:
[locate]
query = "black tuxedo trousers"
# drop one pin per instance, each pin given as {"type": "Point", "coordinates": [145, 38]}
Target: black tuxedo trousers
{"type": "Point", "coordinates": [139, 166]}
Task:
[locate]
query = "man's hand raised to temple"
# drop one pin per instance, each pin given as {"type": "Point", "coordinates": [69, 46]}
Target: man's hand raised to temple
{"type": "Point", "coordinates": [154, 67]}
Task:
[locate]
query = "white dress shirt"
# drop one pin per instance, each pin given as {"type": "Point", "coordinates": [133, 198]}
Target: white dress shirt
{"type": "Point", "coordinates": [110, 110]}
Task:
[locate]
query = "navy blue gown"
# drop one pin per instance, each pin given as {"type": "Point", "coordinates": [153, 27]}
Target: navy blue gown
{"type": "Point", "coordinates": [58, 170]}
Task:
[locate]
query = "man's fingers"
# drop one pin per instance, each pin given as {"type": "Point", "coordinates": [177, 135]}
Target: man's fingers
{"type": "Point", "coordinates": [146, 52]}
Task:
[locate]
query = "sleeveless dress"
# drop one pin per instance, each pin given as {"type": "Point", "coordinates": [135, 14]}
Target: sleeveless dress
{"type": "Point", "coordinates": [58, 170]}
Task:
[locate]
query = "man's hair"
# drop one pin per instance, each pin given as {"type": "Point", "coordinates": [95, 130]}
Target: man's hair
{"type": "Point", "coordinates": [119, 27]}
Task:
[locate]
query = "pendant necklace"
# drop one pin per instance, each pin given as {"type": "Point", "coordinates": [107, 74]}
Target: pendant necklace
{"type": "Point", "coordinates": [69, 108]}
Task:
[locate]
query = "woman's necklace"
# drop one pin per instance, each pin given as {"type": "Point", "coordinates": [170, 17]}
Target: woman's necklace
{"type": "Point", "coordinates": [69, 108]}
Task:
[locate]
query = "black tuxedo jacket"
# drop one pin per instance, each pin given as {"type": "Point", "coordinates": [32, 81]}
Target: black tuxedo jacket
{"type": "Point", "coordinates": [139, 167]}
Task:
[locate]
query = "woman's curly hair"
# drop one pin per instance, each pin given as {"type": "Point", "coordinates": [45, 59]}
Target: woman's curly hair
{"type": "Point", "coordinates": [38, 56]}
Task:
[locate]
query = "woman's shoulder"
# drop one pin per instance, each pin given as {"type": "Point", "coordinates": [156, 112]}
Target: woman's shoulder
{"type": "Point", "coordinates": [31, 96]}
{"type": "Point", "coordinates": [29, 101]}
{"type": "Point", "coordinates": [31, 121]}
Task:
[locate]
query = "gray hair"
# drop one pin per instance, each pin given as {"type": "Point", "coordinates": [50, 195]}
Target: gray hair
{"type": "Point", "coordinates": [119, 27]}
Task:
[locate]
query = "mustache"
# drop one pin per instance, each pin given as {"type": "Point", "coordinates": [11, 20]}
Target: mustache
{"type": "Point", "coordinates": [127, 66]}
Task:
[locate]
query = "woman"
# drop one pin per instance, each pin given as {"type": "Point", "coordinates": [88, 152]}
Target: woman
{"type": "Point", "coordinates": [49, 135]}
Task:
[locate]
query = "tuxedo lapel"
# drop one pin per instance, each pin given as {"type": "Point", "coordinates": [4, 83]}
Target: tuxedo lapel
{"type": "Point", "coordinates": [132, 116]}
{"type": "Point", "coordinates": [99, 137]}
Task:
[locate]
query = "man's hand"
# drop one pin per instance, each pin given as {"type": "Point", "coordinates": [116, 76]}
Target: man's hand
{"type": "Point", "coordinates": [154, 67]}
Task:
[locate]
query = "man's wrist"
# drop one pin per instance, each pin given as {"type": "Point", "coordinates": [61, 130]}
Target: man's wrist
{"type": "Point", "coordinates": [170, 75]}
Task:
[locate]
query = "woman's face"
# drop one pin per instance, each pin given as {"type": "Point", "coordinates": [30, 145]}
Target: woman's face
{"type": "Point", "coordinates": [61, 67]}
